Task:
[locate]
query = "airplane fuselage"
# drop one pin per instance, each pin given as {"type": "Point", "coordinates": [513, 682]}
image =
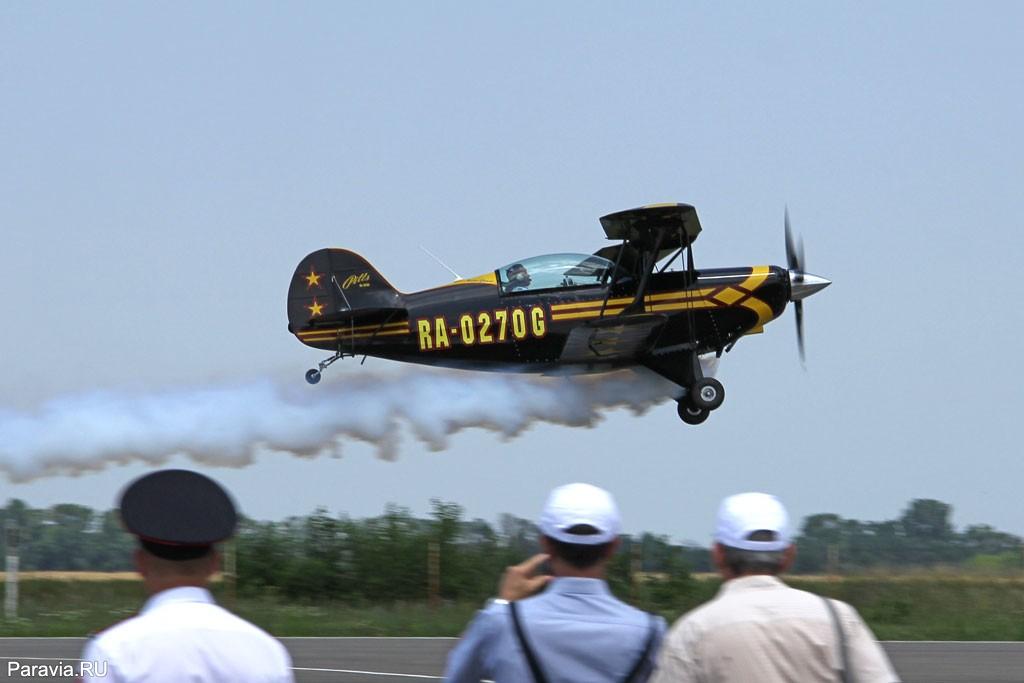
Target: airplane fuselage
{"type": "Point", "coordinates": [474, 324]}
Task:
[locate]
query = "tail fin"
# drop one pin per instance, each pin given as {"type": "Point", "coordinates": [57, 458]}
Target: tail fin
{"type": "Point", "coordinates": [337, 285]}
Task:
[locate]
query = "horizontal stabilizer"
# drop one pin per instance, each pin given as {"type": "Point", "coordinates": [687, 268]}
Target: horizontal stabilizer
{"type": "Point", "coordinates": [362, 318]}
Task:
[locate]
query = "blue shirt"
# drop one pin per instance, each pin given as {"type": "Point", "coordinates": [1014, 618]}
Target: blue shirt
{"type": "Point", "coordinates": [579, 633]}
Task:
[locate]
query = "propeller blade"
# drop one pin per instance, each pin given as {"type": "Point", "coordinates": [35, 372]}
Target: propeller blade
{"type": "Point", "coordinates": [792, 260]}
{"type": "Point", "coordinates": [798, 309]}
{"type": "Point", "coordinates": [800, 256]}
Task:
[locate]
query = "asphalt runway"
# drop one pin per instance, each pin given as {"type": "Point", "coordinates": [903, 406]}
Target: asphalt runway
{"type": "Point", "coordinates": [405, 660]}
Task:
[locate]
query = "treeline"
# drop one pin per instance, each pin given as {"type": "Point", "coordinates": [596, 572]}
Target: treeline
{"type": "Point", "coordinates": [923, 536]}
{"type": "Point", "coordinates": [398, 556]}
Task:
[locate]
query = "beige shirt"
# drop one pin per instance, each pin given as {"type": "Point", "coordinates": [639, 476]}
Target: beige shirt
{"type": "Point", "coordinates": [759, 629]}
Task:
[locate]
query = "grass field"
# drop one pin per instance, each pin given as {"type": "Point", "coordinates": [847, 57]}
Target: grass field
{"type": "Point", "coordinates": [76, 576]}
{"type": "Point", "coordinates": [900, 608]}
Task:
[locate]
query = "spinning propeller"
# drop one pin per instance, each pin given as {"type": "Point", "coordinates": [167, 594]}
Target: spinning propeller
{"type": "Point", "coordinates": [802, 284]}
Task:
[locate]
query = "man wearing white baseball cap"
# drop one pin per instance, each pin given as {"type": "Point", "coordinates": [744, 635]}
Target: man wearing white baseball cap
{"type": "Point", "coordinates": [575, 630]}
{"type": "Point", "coordinates": [759, 629]}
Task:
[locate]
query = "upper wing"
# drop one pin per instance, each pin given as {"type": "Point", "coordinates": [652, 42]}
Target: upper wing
{"type": "Point", "coordinates": [639, 226]}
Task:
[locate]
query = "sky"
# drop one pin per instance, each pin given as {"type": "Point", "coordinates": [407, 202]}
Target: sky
{"type": "Point", "coordinates": [165, 167]}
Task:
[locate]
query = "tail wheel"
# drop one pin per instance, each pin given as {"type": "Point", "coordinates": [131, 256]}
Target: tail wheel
{"type": "Point", "coordinates": [691, 414]}
{"type": "Point", "coordinates": [313, 376]}
{"type": "Point", "coordinates": [707, 393]}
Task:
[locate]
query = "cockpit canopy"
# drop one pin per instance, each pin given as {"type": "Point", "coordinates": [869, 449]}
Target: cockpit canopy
{"type": "Point", "coordinates": [554, 271]}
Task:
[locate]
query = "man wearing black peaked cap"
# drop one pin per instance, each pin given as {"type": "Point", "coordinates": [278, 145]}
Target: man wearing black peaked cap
{"type": "Point", "coordinates": [181, 634]}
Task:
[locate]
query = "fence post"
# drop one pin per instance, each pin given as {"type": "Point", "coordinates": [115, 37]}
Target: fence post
{"type": "Point", "coordinates": [833, 559]}
{"type": "Point", "coordinates": [434, 574]}
{"type": "Point", "coordinates": [230, 572]}
{"type": "Point", "coordinates": [11, 584]}
{"type": "Point", "coordinates": [635, 566]}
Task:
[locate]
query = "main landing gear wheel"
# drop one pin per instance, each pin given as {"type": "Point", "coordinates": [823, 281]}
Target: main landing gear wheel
{"type": "Point", "coordinates": [691, 414]}
{"type": "Point", "coordinates": [313, 376]}
{"type": "Point", "coordinates": [707, 393]}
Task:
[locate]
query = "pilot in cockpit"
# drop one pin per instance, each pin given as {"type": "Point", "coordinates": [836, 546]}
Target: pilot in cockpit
{"type": "Point", "coordinates": [518, 277]}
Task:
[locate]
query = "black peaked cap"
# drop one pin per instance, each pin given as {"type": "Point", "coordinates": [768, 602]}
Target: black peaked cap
{"type": "Point", "coordinates": [178, 507]}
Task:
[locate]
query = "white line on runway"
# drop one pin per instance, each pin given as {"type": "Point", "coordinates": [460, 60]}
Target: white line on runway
{"type": "Point", "coordinates": [46, 659]}
{"type": "Point", "coordinates": [294, 668]}
{"type": "Point", "coordinates": [375, 673]}
{"type": "Point", "coordinates": [365, 673]}
{"type": "Point", "coordinates": [956, 642]}
{"type": "Point", "coordinates": [929, 642]}
{"type": "Point", "coordinates": [368, 638]}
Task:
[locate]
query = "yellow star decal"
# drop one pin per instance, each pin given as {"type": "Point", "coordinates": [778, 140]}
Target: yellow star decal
{"type": "Point", "coordinates": [315, 309]}
{"type": "Point", "coordinates": [312, 279]}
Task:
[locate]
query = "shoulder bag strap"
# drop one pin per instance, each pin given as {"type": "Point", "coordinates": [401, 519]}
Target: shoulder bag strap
{"type": "Point", "coordinates": [845, 675]}
{"type": "Point", "coordinates": [652, 631]}
{"type": "Point", "coordinates": [531, 659]}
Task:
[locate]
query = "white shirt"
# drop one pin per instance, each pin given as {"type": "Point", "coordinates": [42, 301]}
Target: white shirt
{"type": "Point", "coordinates": [759, 629]}
{"type": "Point", "coordinates": [182, 636]}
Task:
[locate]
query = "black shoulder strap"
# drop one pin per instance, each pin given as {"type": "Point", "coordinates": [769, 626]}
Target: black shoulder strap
{"type": "Point", "coordinates": [845, 675]}
{"type": "Point", "coordinates": [652, 631]}
{"type": "Point", "coordinates": [538, 674]}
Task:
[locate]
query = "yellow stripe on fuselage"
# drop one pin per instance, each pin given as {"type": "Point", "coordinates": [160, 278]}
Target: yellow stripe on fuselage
{"type": "Point", "coordinates": [676, 301]}
{"type": "Point", "coordinates": [764, 311]}
{"type": "Point", "coordinates": [589, 304]}
{"type": "Point", "coordinates": [650, 308]}
{"type": "Point", "coordinates": [699, 303]}
{"type": "Point", "coordinates": [347, 337]}
{"type": "Point", "coordinates": [585, 314]}
{"type": "Point", "coordinates": [357, 328]}
{"type": "Point", "coordinates": [758, 274]}
{"type": "Point", "coordinates": [681, 294]}
{"type": "Point", "coordinates": [622, 301]}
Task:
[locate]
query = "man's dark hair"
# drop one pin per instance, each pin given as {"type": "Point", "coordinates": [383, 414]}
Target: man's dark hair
{"type": "Point", "coordinates": [579, 555]}
{"type": "Point", "coordinates": [741, 562]}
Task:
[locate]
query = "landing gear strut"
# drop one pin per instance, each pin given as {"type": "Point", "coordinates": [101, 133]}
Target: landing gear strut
{"type": "Point", "coordinates": [313, 374]}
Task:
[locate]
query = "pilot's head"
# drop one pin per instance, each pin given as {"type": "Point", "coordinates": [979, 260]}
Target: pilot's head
{"type": "Point", "coordinates": [517, 275]}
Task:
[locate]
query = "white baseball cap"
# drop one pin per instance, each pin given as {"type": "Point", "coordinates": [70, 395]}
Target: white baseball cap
{"type": "Point", "coordinates": [741, 515]}
{"type": "Point", "coordinates": [575, 504]}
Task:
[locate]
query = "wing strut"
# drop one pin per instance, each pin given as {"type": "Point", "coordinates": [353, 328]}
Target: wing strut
{"type": "Point", "coordinates": [685, 243]}
{"type": "Point", "coordinates": [613, 279]}
{"type": "Point", "coordinates": [650, 261]}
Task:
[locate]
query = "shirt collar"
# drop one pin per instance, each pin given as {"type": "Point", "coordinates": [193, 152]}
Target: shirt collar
{"type": "Point", "coordinates": [181, 594]}
{"type": "Point", "coordinates": [576, 584]}
{"type": "Point", "coordinates": [751, 583]}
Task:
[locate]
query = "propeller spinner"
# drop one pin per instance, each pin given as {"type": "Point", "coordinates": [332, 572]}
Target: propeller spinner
{"type": "Point", "coordinates": [801, 283]}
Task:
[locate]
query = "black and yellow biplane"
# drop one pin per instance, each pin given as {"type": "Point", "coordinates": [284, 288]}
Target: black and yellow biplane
{"type": "Point", "coordinates": [580, 312]}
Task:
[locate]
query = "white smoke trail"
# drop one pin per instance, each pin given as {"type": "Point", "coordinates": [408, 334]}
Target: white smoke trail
{"type": "Point", "coordinates": [229, 425]}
